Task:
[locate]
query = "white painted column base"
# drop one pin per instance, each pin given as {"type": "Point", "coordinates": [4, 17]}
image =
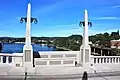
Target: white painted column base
{"type": "Point", "coordinates": [83, 58]}
{"type": "Point", "coordinates": [28, 56]}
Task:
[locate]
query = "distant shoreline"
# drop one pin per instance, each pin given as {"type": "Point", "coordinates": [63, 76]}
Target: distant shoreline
{"type": "Point", "coordinates": [49, 45]}
{"type": "Point", "coordinates": [18, 48]}
{"type": "Point", "coordinates": [62, 49]}
{"type": "Point", "coordinates": [58, 48]}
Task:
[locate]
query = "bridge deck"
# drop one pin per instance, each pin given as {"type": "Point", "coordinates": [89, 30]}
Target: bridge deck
{"type": "Point", "coordinates": [9, 70]}
{"type": "Point", "coordinates": [60, 73]}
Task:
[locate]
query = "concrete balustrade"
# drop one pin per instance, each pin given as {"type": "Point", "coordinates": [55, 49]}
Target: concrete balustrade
{"type": "Point", "coordinates": [13, 59]}
{"type": "Point", "coordinates": [56, 58]}
{"type": "Point", "coordinates": [58, 54]}
{"type": "Point", "coordinates": [43, 62]}
{"type": "Point", "coordinates": [105, 60]}
{"type": "Point", "coordinates": [48, 58]}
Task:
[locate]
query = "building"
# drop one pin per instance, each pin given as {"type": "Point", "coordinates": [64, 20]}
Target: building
{"type": "Point", "coordinates": [115, 44]}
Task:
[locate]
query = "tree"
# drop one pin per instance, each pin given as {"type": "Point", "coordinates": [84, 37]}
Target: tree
{"type": "Point", "coordinates": [93, 39]}
{"type": "Point", "coordinates": [115, 35]}
{"type": "Point", "coordinates": [61, 42]}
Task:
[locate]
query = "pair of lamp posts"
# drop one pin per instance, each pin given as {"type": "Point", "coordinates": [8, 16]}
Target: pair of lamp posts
{"type": "Point", "coordinates": [28, 48]}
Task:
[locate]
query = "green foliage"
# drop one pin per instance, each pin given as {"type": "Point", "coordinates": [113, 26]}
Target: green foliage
{"type": "Point", "coordinates": [61, 42]}
{"type": "Point", "coordinates": [74, 47]}
{"type": "Point", "coordinates": [72, 42]}
{"type": "Point", "coordinates": [115, 52]}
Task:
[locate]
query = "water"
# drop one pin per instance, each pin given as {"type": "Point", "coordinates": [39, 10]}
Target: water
{"type": "Point", "coordinates": [18, 48]}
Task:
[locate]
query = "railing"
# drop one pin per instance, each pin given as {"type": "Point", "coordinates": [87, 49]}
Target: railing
{"type": "Point", "coordinates": [43, 62]}
{"type": "Point", "coordinates": [51, 54]}
{"type": "Point", "coordinates": [56, 58]}
{"type": "Point", "coordinates": [105, 60]}
{"type": "Point", "coordinates": [9, 58]}
{"type": "Point", "coordinates": [61, 57]}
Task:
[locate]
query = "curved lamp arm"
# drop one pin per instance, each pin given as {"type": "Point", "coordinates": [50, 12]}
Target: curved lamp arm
{"type": "Point", "coordinates": [82, 23]}
{"type": "Point", "coordinates": [24, 19]}
{"type": "Point", "coordinates": [34, 20]}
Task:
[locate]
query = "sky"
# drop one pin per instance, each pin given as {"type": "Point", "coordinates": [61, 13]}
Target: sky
{"type": "Point", "coordinates": [59, 18]}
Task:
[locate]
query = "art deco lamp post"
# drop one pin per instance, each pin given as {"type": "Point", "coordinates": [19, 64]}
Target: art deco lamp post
{"type": "Point", "coordinates": [83, 57]}
{"type": "Point", "coordinates": [27, 49]}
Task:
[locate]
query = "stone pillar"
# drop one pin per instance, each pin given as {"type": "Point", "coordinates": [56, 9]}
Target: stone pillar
{"type": "Point", "coordinates": [7, 59]}
{"type": "Point", "coordinates": [1, 59]}
{"type": "Point", "coordinates": [94, 50]}
{"type": "Point", "coordinates": [108, 53]}
{"type": "Point", "coordinates": [101, 52]}
{"type": "Point", "coordinates": [85, 50]}
{"type": "Point", "coordinates": [27, 49]}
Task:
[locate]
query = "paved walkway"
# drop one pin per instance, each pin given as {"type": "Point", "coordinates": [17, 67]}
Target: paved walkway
{"type": "Point", "coordinates": [99, 72]}
{"type": "Point", "coordinates": [58, 78]}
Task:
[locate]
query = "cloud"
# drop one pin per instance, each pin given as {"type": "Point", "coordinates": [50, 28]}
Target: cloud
{"type": "Point", "coordinates": [106, 18]}
{"type": "Point", "coordinates": [97, 24]}
{"type": "Point", "coordinates": [79, 31]}
{"type": "Point", "coordinates": [116, 6]}
{"type": "Point", "coordinates": [68, 25]}
{"type": "Point", "coordinates": [59, 27]}
{"type": "Point", "coordinates": [49, 8]}
{"type": "Point", "coordinates": [97, 31]}
{"type": "Point", "coordinates": [3, 33]}
{"type": "Point", "coordinates": [75, 29]}
{"type": "Point", "coordinates": [69, 29]}
{"type": "Point", "coordinates": [18, 18]}
{"type": "Point", "coordinates": [91, 31]}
